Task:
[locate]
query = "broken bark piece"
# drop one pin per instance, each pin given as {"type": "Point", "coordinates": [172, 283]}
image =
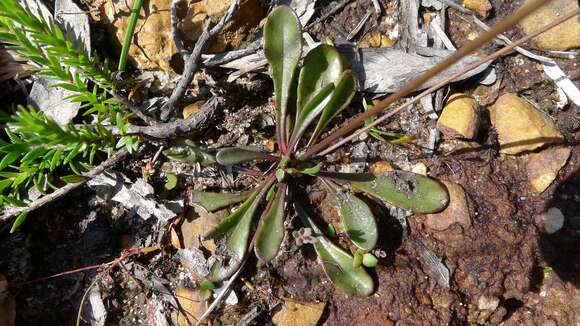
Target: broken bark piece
{"type": "Point", "coordinates": [543, 167]}
{"type": "Point", "coordinates": [520, 126]}
{"type": "Point", "coordinates": [460, 117]}
{"type": "Point", "coordinates": [387, 70]}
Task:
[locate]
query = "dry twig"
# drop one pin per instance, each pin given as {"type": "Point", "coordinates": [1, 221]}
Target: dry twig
{"type": "Point", "coordinates": [192, 63]}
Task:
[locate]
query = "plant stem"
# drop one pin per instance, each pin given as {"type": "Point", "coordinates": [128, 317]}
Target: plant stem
{"type": "Point", "coordinates": [129, 34]}
{"type": "Point", "coordinates": [490, 57]}
{"type": "Point", "coordinates": [469, 48]}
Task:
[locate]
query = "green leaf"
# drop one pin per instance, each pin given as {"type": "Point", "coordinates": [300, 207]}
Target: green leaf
{"type": "Point", "coordinates": [18, 221]}
{"type": "Point", "coordinates": [358, 220]}
{"type": "Point", "coordinates": [283, 48]}
{"type": "Point", "coordinates": [337, 263]}
{"type": "Point", "coordinates": [8, 159]}
{"type": "Point", "coordinates": [170, 181]}
{"type": "Point", "coordinates": [343, 94]}
{"type": "Point", "coordinates": [73, 178]}
{"type": "Point", "coordinates": [369, 260]}
{"type": "Point", "coordinates": [322, 66]}
{"type": "Point", "coordinates": [235, 155]}
{"type": "Point", "coordinates": [236, 229]}
{"type": "Point", "coordinates": [312, 170]}
{"type": "Point", "coordinates": [187, 151]}
{"type": "Point", "coordinates": [310, 111]}
{"type": "Point", "coordinates": [406, 190]}
{"type": "Point", "coordinates": [270, 233]}
{"type": "Point", "coordinates": [213, 201]}
{"type": "Point", "coordinates": [4, 184]}
{"type": "Point", "coordinates": [129, 34]}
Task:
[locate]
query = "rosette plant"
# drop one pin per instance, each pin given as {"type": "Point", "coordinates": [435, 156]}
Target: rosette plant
{"type": "Point", "coordinates": [307, 98]}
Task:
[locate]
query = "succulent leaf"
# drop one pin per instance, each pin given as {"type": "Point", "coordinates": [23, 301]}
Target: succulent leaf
{"type": "Point", "coordinates": [337, 263]}
{"type": "Point", "coordinates": [406, 190]}
{"type": "Point", "coordinates": [358, 220]}
{"type": "Point", "coordinates": [270, 233]}
{"type": "Point", "coordinates": [322, 66]}
{"type": "Point", "coordinates": [236, 229]}
{"type": "Point", "coordinates": [283, 48]}
{"type": "Point", "coordinates": [187, 151]}
{"type": "Point", "coordinates": [310, 111]}
{"type": "Point", "coordinates": [343, 94]}
{"type": "Point", "coordinates": [213, 201]}
{"type": "Point", "coordinates": [235, 155]}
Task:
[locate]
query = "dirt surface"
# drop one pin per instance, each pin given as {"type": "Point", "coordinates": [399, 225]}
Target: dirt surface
{"type": "Point", "coordinates": [503, 269]}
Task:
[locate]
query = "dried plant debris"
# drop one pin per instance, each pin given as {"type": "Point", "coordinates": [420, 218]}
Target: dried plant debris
{"type": "Point", "coordinates": [137, 197]}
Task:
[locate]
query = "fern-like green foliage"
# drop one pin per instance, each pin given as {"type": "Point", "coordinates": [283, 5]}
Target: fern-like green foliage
{"type": "Point", "coordinates": [36, 150]}
{"type": "Point", "coordinates": [38, 146]}
{"type": "Point", "coordinates": [43, 42]}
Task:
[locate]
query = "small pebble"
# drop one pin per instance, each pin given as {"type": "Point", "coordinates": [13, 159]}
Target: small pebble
{"type": "Point", "coordinates": [550, 221]}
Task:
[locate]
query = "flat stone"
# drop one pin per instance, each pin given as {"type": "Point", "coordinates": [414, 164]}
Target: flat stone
{"type": "Point", "coordinates": [520, 126]}
{"type": "Point", "coordinates": [459, 118]}
{"type": "Point", "coordinates": [562, 37]}
{"type": "Point", "coordinates": [298, 313]}
{"type": "Point", "coordinates": [456, 212]}
{"type": "Point", "coordinates": [381, 167]}
{"type": "Point", "coordinates": [543, 167]}
{"type": "Point", "coordinates": [481, 7]}
{"type": "Point", "coordinates": [153, 47]}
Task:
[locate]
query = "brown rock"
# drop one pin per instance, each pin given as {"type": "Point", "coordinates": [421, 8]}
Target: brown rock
{"type": "Point", "coordinates": [153, 47]}
{"type": "Point", "coordinates": [377, 40]}
{"type": "Point", "coordinates": [192, 108]}
{"type": "Point", "coordinates": [456, 212]}
{"type": "Point", "coordinates": [460, 117]}
{"type": "Point", "coordinates": [480, 7]}
{"type": "Point", "coordinates": [520, 127]}
{"type": "Point", "coordinates": [562, 37]}
{"type": "Point", "coordinates": [543, 167]}
{"type": "Point", "coordinates": [192, 305]}
{"type": "Point", "coordinates": [380, 167]}
{"type": "Point", "coordinates": [298, 313]}
{"type": "Point", "coordinates": [247, 17]}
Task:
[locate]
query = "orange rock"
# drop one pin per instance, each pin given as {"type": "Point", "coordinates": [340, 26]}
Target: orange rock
{"type": "Point", "coordinates": [460, 117]}
{"type": "Point", "coordinates": [456, 212]}
{"type": "Point", "coordinates": [520, 126]}
{"type": "Point", "coordinates": [480, 7]}
{"type": "Point", "coordinates": [380, 167]}
{"type": "Point", "coordinates": [543, 167]}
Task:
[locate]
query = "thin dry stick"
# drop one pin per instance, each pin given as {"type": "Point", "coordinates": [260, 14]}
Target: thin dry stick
{"type": "Point", "coordinates": [197, 121]}
{"type": "Point", "coordinates": [226, 289]}
{"type": "Point", "coordinates": [490, 57]}
{"type": "Point", "coordinates": [175, 31]}
{"type": "Point", "coordinates": [134, 109]}
{"type": "Point", "coordinates": [118, 156]}
{"type": "Point", "coordinates": [336, 8]}
{"type": "Point", "coordinates": [81, 305]}
{"type": "Point", "coordinates": [192, 63]}
{"type": "Point", "coordinates": [499, 28]}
